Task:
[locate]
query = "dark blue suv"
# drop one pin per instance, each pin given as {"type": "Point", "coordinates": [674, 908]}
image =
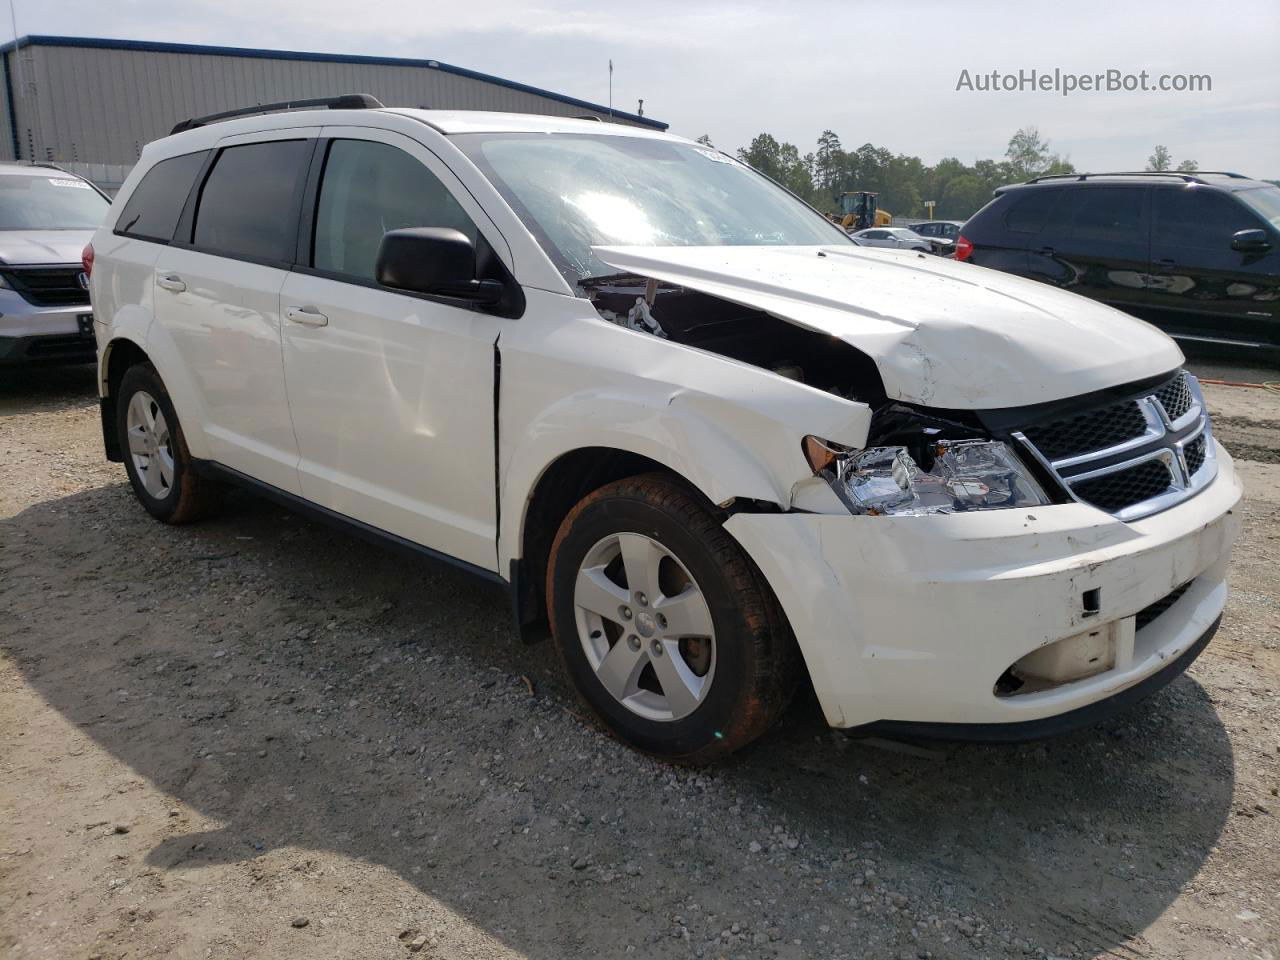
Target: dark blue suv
{"type": "Point", "coordinates": [1196, 254]}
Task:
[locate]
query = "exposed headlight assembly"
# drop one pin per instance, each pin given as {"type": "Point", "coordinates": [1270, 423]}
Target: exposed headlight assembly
{"type": "Point", "coordinates": [963, 475]}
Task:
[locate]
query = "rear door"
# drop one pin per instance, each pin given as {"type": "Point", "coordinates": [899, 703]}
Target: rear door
{"type": "Point", "coordinates": [1199, 287]}
{"type": "Point", "coordinates": [392, 393]}
{"type": "Point", "coordinates": [1003, 230]}
{"type": "Point", "coordinates": [1095, 241]}
{"type": "Point", "coordinates": [218, 294]}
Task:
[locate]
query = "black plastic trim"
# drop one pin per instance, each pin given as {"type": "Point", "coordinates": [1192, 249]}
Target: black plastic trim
{"type": "Point", "coordinates": [110, 438]}
{"type": "Point", "coordinates": [1023, 731]}
{"type": "Point", "coordinates": [361, 529]}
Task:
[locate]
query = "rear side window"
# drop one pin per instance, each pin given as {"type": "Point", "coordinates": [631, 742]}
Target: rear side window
{"type": "Point", "coordinates": [1029, 212]}
{"type": "Point", "coordinates": [1195, 217]}
{"type": "Point", "coordinates": [156, 203]}
{"type": "Point", "coordinates": [1109, 214]}
{"type": "Point", "coordinates": [369, 188]}
{"type": "Point", "coordinates": [250, 200]}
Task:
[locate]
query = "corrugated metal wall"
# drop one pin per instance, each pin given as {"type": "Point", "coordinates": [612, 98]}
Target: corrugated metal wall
{"type": "Point", "coordinates": [100, 105]}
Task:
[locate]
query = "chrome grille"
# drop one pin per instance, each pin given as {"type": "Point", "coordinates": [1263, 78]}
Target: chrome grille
{"type": "Point", "coordinates": [1123, 488]}
{"type": "Point", "coordinates": [1135, 457]}
{"type": "Point", "coordinates": [1175, 397]}
{"type": "Point", "coordinates": [1095, 430]}
{"type": "Point", "coordinates": [1195, 454]}
{"type": "Point", "coordinates": [50, 286]}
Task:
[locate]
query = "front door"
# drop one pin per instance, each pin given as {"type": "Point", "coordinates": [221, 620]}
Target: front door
{"type": "Point", "coordinates": [392, 394]}
{"type": "Point", "coordinates": [1199, 287]}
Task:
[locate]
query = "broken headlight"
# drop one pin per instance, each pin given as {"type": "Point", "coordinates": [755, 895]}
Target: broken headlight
{"type": "Point", "coordinates": [962, 475]}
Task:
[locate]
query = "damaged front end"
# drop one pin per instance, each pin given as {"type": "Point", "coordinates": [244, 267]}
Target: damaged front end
{"type": "Point", "coordinates": [914, 461]}
{"type": "Point", "coordinates": [737, 332]}
{"type": "Point", "coordinates": [918, 463]}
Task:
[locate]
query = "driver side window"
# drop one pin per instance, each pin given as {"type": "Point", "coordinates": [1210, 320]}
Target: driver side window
{"type": "Point", "coordinates": [367, 189]}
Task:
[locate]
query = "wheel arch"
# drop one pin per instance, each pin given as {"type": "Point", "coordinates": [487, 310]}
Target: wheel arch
{"type": "Point", "coordinates": [562, 483]}
{"type": "Point", "coordinates": [117, 356]}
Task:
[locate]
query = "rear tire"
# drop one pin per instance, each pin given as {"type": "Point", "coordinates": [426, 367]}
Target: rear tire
{"type": "Point", "coordinates": [666, 628]}
{"type": "Point", "coordinates": [155, 451]}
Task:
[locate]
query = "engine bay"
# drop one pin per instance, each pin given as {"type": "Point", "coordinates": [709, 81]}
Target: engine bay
{"type": "Point", "coordinates": [739, 333]}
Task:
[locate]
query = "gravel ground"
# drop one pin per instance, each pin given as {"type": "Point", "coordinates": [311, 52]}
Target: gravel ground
{"type": "Point", "coordinates": [258, 737]}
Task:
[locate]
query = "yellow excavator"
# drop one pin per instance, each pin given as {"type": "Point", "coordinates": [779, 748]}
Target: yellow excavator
{"type": "Point", "coordinates": [859, 209]}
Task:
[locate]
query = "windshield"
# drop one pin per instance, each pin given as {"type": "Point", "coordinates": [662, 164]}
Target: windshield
{"type": "Point", "coordinates": [48, 201]}
{"type": "Point", "coordinates": [1264, 200]}
{"type": "Point", "coordinates": [575, 191]}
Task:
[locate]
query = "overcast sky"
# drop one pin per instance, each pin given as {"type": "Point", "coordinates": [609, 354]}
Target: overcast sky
{"type": "Point", "coordinates": [884, 72]}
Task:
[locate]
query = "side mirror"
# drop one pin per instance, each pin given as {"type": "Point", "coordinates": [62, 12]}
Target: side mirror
{"type": "Point", "coordinates": [1250, 241]}
{"type": "Point", "coordinates": [434, 260]}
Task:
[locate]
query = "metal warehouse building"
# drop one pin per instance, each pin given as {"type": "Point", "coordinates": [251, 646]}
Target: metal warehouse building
{"type": "Point", "coordinates": [92, 104]}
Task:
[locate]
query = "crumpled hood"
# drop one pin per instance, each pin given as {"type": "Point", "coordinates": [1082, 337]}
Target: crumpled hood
{"type": "Point", "coordinates": [19, 247]}
{"type": "Point", "coordinates": [943, 334]}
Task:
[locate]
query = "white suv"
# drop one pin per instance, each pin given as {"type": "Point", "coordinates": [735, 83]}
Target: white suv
{"type": "Point", "coordinates": [686, 420]}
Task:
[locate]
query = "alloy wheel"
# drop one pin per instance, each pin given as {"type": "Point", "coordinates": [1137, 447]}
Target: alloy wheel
{"type": "Point", "coordinates": [645, 627]}
{"type": "Point", "coordinates": [150, 445]}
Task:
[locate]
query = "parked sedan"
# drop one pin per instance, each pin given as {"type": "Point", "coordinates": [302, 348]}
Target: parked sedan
{"type": "Point", "coordinates": [938, 229]}
{"type": "Point", "coordinates": [899, 238]}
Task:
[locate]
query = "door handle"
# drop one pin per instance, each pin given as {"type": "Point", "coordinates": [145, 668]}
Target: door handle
{"type": "Point", "coordinates": [171, 282]}
{"type": "Point", "coordinates": [1046, 251]}
{"type": "Point", "coordinates": [307, 316]}
{"type": "Point", "coordinates": [1167, 262]}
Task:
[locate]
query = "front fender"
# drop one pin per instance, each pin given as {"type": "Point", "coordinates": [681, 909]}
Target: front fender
{"type": "Point", "coordinates": [743, 441]}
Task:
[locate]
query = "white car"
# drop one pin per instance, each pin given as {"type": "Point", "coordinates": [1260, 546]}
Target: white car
{"type": "Point", "coordinates": [896, 238]}
{"type": "Point", "coordinates": [720, 447]}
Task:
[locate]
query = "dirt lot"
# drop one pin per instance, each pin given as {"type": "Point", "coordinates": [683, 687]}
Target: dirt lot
{"type": "Point", "coordinates": [257, 737]}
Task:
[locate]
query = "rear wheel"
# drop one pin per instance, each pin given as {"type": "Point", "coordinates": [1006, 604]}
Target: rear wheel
{"type": "Point", "coordinates": [664, 625]}
{"type": "Point", "coordinates": [155, 453]}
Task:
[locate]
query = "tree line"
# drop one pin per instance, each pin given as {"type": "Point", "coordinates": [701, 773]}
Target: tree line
{"type": "Point", "coordinates": [904, 182]}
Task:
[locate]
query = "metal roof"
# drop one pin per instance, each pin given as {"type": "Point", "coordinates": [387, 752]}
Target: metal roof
{"type": "Point", "coordinates": [101, 43]}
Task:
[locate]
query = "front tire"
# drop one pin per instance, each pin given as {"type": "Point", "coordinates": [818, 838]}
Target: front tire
{"type": "Point", "coordinates": [665, 627]}
{"type": "Point", "coordinates": [155, 452]}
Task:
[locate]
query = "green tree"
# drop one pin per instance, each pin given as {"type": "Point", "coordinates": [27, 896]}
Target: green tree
{"type": "Point", "coordinates": [764, 154]}
{"type": "Point", "coordinates": [1028, 155]}
{"type": "Point", "coordinates": [828, 162]}
{"type": "Point", "coordinates": [961, 198]}
{"type": "Point", "coordinates": [1160, 159]}
{"type": "Point", "coordinates": [1188, 166]}
{"type": "Point", "coordinates": [705, 140]}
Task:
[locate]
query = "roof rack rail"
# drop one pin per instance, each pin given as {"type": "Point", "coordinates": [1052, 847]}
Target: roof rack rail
{"type": "Point", "coordinates": [1189, 177]}
{"type": "Point", "coordinates": [348, 101]}
{"type": "Point", "coordinates": [42, 163]}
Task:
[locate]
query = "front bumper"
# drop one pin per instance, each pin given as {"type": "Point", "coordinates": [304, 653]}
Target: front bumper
{"type": "Point", "coordinates": [915, 619]}
{"type": "Point", "coordinates": [32, 334]}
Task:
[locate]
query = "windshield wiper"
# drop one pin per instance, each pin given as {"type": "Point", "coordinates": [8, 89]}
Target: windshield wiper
{"type": "Point", "coordinates": [602, 279]}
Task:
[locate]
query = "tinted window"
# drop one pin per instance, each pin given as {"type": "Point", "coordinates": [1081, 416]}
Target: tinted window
{"type": "Point", "coordinates": [369, 188]}
{"type": "Point", "coordinates": [156, 203]}
{"type": "Point", "coordinates": [926, 229]}
{"type": "Point", "coordinates": [874, 235]}
{"type": "Point", "coordinates": [1194, 217]}
{"type": "Point", "coordinates": [1108, 214]}
{"type": "Point", "coordinates": [1027, 213]}
{"type": "Point", "coordinates": [249, 203]}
